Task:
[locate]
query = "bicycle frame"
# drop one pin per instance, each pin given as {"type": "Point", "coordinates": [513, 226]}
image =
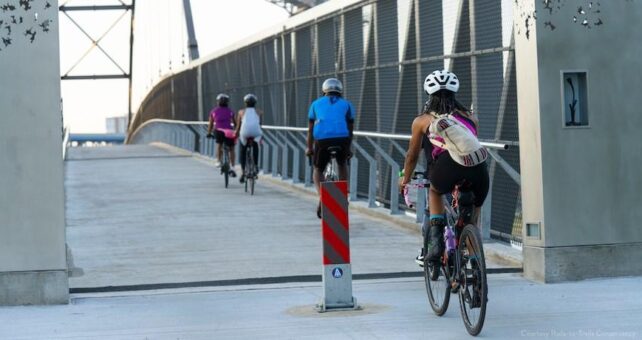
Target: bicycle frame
{"type": "Point", "coordinates": [226, 156]}
{"type": "Point", "coordinates": [453, 221]}
{"type": "Point", "coordinates": [331, 170]}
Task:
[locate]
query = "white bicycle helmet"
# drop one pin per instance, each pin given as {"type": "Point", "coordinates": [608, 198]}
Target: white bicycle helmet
{"type": "Point", "coordinates": [332, 85]}
{"type": "Point", "coordinates": [441, 80]}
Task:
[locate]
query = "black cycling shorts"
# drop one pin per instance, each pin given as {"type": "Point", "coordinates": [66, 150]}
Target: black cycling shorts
{"type": "Point", "coordinates": [321, 156]}
{"type": "Point", "coordinates": [445, 173]}
{"type": "Point", "coordinates": [220, 138]}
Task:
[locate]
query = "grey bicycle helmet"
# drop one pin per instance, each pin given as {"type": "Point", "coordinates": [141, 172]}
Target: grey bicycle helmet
{"type": "Point", "coordinates": [222, 99]}
{"type": "Point", "coordinates": [332, 85]}
{"type": "Point", "coordinates": [250, 99]}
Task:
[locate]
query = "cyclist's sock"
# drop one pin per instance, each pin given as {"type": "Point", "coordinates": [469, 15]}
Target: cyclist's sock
{"type": "Point", "coordinates": [437, 216]}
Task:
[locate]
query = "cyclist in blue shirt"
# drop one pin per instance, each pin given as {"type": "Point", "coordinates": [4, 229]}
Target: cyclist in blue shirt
{"type": "Point", "coordinates": [331, 121]}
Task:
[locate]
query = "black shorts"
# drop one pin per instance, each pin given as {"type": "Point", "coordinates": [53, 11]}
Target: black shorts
{"type": "Point", "coordinates": [445, 173]}
{"type": "Point", "coordinates": [220, 138]}
{"type": "Point", "coordinates": [321, 156]}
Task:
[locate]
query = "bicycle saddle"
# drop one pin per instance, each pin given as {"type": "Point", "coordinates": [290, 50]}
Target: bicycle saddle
{"type": "Point", "coordinates": [334, 149]}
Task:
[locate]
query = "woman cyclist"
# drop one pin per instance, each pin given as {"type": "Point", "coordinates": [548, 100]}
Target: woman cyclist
{"type": "Point", "coordinates": [444, 172]}
{"type": "Point", "coordinates": [248, 125]}
{"type": "Point", "coordinates": [221, 118]}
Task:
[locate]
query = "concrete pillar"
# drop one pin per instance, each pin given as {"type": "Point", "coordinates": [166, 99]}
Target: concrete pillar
{"type": "Point", "coordinates": [581, 184]}
{"type": "Point", "coordinates": [33, 268]}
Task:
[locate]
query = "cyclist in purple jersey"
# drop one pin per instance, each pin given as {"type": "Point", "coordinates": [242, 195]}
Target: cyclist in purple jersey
{"type": "Point", "coordinates": [221, 118]}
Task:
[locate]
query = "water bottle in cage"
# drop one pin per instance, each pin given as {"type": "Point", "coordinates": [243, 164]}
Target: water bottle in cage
{"type": "Point", "coordinates": [449, 235]}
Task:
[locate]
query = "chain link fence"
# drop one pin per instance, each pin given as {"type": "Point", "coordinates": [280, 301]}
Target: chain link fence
{"type": "Point", "coordinates": [381, 50]}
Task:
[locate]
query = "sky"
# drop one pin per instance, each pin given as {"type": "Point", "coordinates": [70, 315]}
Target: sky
{"type": "Point", "coordinates": [160, 46]}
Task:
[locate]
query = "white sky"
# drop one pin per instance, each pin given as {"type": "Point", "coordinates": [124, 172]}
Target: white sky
{"type": "Point", "coordinates": [159, 38]}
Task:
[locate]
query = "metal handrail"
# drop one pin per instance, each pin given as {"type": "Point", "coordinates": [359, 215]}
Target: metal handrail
{"type": "Point", "coordinates": [191, 135]}
{"type": "Point", "coordinates": [493, 144]}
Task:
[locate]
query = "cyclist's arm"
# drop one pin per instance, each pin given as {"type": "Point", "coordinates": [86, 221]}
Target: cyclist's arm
{"type": "Point", "coordinates": [350, 119]}
{"type": "Point", "coordinates": [239, 118]}
{"type": "Point", "coordinates": [260, 112]}
{"type": "Point", "coordinates": [210, 125]}
{"type": "Point", "coordinates": [310, 138]}
{"type": "Point", "coordinates": [414, 147]}
{"type": "Point", "coordinates": [312, 117]}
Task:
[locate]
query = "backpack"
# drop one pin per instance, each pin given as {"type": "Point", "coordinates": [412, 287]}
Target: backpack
{"type": "Point", "coordinates": [462, 145]}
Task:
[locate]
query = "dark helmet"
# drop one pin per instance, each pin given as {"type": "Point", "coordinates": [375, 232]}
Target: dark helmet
{"type": "Point", "coordinates": [222, 99]}
{"type": "Point", "coordinates": [250, 100]}
{"type": "Point", "coordinates": [331, 85]}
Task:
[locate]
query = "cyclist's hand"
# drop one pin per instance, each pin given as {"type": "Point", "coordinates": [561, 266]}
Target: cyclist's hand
{"type": "Point", "coordinates": [210, 135]}
{"type": "Point", "coordinates": [308, 152]}
{"type": "Point", "coordinates": [402, 185]}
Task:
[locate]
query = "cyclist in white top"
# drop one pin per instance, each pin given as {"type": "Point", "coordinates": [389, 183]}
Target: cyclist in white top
{"type": "Point", "coordinates": [248, 125]}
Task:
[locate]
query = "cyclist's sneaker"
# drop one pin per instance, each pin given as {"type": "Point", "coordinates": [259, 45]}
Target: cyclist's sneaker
{"type": "Point", "coordinates": [242, 179]}
{"type": "Point", "coordinates": [232, 173]}
{"type": "Point", "coordinates": [420, 258]}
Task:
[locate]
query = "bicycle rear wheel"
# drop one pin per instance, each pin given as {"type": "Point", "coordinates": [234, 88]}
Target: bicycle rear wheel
{"type": "Point", "coordinates": [227, 177]}
{"type": "Point", "coordinates": [226, 166]}
{"type": "Point", "coordinates": [249, 162]}
{"type": "Point", "coordinates": [473, 294]}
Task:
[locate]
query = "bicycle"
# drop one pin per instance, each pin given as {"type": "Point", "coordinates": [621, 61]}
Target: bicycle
{"type": "Point", "coordinates": [251, 170]}
{"type": "Point", "coordinates": [330, 173]}
{"type": "Point", "coordinates": [225, 165]}
{"type": "Point", "coordinates": [226, 168]}
{"type": "Point", "coordinates": [462, 267]}
{"type": "Point", "coordinates": [331, 170]}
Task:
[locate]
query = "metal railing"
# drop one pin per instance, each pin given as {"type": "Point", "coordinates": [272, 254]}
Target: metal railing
{"type": "Point", "coordinates": [282, 155]}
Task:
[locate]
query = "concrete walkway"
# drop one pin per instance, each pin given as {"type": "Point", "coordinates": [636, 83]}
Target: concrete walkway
{"type": "Point", "coordinates": [393, 309]}
{"type": "Point", "coordinates": [144, 215]}
{"type": "Point", "coordinates": [141, 218]}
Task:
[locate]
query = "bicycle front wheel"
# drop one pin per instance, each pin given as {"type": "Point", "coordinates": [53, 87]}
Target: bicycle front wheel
{"type": "Point", "coordinates": [437, 287]}
{"type": "Point", "coordinates": [473, 294]}
{"type": "Point", "coordinates": [253, 171]}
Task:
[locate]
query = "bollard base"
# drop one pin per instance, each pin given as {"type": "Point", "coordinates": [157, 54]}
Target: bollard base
{"type": "Point", "coordinates": [321, 307]}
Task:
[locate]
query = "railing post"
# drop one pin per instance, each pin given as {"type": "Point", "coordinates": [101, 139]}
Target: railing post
{"type": "Point", "coordinates": [265, 156]}
{"type": "Point", "coordinates": [296, 163]}
{"type": "Point", "coordinates": [372, 186]}
{"type": "Point", "coordinates": [275, 158]}
{"type": "Point", "coordinates": [354, 174]}
{"type": "Point", "coordinates": [394, 173]}
{"type": "Point", "coordinates": [307, 177]}
{"type": "Point", "coordinates": [394, 189]}
{"type": "Point", "coordinates": [284, 160]}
